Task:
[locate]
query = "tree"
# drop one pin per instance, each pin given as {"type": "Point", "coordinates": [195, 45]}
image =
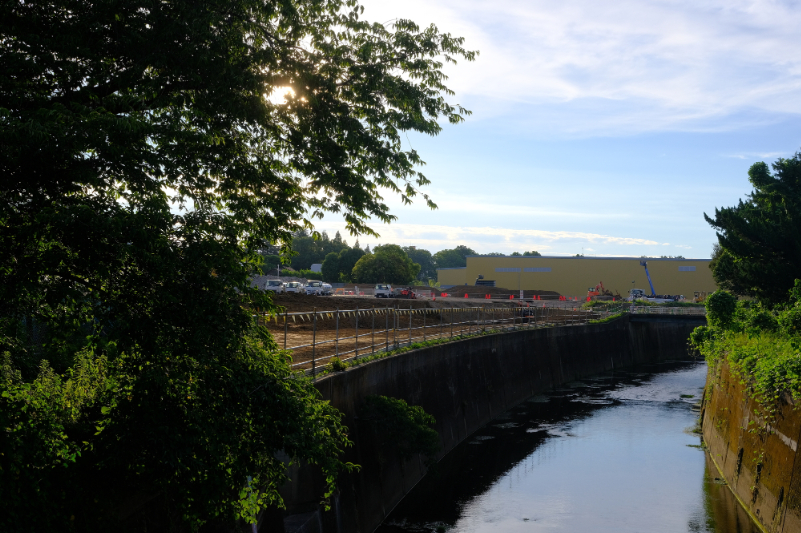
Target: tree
{"type": "Point", "coordinates": [339, 267]}
{"type": "Point", "coordinates": [330, 269]}
{"type": "Point", "coordinates": [453, 258]}
{"type": "Point", "coordinates": [760, 238]}
{"type": "Point", "coordinates": [309, 250]}
{"type": "Point", "coordinates": [143, 168]}
{"type": "Point", "coordinates": [387, 264]}
{"type": "Point", "coordinates": [533, 253]}
{"type": "Point", "coordinates": [428, 269]}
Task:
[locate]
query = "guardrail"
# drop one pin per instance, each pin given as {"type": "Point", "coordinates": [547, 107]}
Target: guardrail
{"type": "Point", "coordinates": [659, 310]}
{"type": "Point", "coordinates": [316, 336]}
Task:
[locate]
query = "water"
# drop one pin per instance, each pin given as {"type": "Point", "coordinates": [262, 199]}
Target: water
{"type": "Point", "coordinates": [614, 453]}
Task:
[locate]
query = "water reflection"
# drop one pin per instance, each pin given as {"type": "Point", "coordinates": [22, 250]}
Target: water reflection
{"type": "Point", "coordinates": [611, 453]}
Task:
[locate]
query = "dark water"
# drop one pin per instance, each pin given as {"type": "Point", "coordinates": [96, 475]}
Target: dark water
{"type": "Point", "coordinates": [612, 453]}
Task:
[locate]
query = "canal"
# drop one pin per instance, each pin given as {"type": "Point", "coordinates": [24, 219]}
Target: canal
{"type": "Point", "coordinates": [613, 453]}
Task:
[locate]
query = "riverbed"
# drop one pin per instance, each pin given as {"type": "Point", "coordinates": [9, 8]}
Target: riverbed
{"type": "Point", "coordinates": [617, 452]}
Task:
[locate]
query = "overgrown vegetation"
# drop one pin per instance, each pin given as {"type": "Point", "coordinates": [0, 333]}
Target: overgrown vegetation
{"type": "Point", "coordinates": [759, 239]}
{"type": "Point", "coordinates": [609, 318]}
{"type": "Point", "coordinates": [152, 155]}
{"type": "Point", "coordinates": [762, 344]}
{"type": "Point", "coordinates": [396, 425]}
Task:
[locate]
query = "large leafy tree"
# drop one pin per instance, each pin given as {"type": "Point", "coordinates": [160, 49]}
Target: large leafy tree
{"type": "Point", "coordinates": [148, 151]}
{"type": "Point", "coordinates": [428, 270]}
{"type": "Point", "coordinates": [453, 257]}
{"type": "Point", "coordinates": [759, 239]}
{"type": "Point", "coordinates": [387, 264]}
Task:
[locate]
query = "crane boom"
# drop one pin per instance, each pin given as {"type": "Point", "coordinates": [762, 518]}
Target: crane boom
{"type": "Point", "coordinates": [645, 264]}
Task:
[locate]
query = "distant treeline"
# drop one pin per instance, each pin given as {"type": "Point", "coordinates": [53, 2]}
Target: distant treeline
{"type": "Point", "coordinates": [352, 264]}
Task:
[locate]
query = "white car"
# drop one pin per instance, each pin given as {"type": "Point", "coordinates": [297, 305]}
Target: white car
{"type": "Point", "coordinates": [328, 290]}
{"type": "Point", "coordinates": [314, 287]}
{"type": "Point", "coordinates": [295, 286]}
{"type": "Point", "coordinates": [275, 285]}
{"type": "Point", "coordinates": [383, 291]}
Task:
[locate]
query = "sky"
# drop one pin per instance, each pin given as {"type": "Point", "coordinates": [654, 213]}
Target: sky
{"type": "Point", "coordinates": [602, 128]}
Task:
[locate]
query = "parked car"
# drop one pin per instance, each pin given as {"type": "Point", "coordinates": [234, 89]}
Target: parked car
{"type": "Point", "coordinates": [328, 290]}
{"type": "Point", "coordinates": [295, 286]}
{"type": "Point", "coordinates": [383, 291]}
{"type": "Point", "coordinates": [314, 287]}
{"type": "Point", "coordinates": [275, 285]}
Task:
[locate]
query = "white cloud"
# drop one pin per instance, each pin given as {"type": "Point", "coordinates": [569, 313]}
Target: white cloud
{"type": "Point", "coordinates": [489, 239]}
{"type": "Point", "coordinates": [579, 66]}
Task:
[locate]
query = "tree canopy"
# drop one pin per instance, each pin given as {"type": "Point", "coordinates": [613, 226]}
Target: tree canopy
{"type": "Point", "coordinates": [453, 258]}
{"type": "Point", "coordinates": [428, 269]}
{"type": "Point", "coordinates": [339, 267]}
{"type": "Point", "coordinates": [148, 151]}
{"type": "Point", "coordinates": [387, 264]}
{"type": "Point", "coordinates": [759, 239]}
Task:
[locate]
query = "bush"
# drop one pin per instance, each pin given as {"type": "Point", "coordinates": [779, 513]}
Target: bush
{"type": "Point", "coordinates": [790, 321]}
{"type": "Point", "coordinates": [400, 426]}
{"type": "Point", "coordinates": [336, 364]}
{"type": "Point", "coordinates": [720, 309]}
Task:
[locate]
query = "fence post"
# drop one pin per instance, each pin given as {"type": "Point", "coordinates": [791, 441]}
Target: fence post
{"type": "Point", "coordinates": [386, 329]}
{"type": "Point", "coordinates": [410, 323]}
{"type": "Point", "coordinates": [285, 327]}
{"type": "Point", "coordinates": [451, 322]}
{"type": "Point", "coordinates": [424, 325]}
{"type": "Point", "coordinates": [395, 324]}
{"type": "Point", "coordinates": [336, 336]}
{"type": "Point", "coordinates": [314, 342]}
{"type": "Point", "coordinates": [356, 355]}
{"type": "Point", "coordinates": [372, 338]}
{"type": "Point", "coordinates": [440, 324]}
{"type": "Point", "coordinates": [481, 319]}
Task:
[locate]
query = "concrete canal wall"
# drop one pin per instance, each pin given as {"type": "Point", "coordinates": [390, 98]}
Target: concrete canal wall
{"type": "Point", "coordinates": [464, 385]}
{"type": "Point", "coordinates": [755, 453]}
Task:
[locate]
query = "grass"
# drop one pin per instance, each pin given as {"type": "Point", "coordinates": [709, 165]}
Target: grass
{"type": "Point", "coordinates": [771, 361]}
{"type": "Point", "coordinates": [336, 365]}
{"type": "Point", "coordinates": [610, 318]}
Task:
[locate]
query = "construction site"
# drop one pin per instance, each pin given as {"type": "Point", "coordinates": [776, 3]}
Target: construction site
{"type": "Point", "coordinates": [578, 277]}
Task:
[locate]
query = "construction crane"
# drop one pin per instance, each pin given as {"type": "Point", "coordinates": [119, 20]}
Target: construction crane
{"type": "Point", "coordinates": [645, 264]}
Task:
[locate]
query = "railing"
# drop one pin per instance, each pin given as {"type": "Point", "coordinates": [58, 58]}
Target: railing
{"type": "Point", "coordinates": [316, 336]}
{"type": "Point", "coordinates": [660, 310]}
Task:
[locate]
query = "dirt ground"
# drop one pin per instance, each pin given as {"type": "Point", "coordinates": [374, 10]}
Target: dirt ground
{"type": "Point", "coordinates": [376, 329]}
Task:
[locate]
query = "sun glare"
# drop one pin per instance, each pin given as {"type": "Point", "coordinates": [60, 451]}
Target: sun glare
{"type": "Point", "coordinates": [279, 95]}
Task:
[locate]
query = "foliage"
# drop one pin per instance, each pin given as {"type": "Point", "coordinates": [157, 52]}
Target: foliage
{"type": "Point", "coordinates": [117, 413]}
{"type": "Point", "coordinates": [532, 253]}
{"type": "Point", "coordinates": [609, 318]}
{"type": "Point", "coordinates": [309, 250]}
{"type": "Point", "coordinates": [400, 426]}
{"type": "Point", "coordinates": [307, 274]}
{"type": "Point", "coordinates": [339, 267]}
{"type": "Point", "coordinates": [336, 364]}
{"type": "Point", "coordinates": [387, 264]}
{"type": "Point", "coordinates": [269, 262]}
{"type": "Point", "coordinates": [428, 269]}
{"type": "Point", "coordinates": [143, 170]}
{"type": "Point", "coordinates": [453, 258]}
{"type": "Point", "coordinates": [749, 337]}
{"type": "Point", "coordinates": [720, 308]}
{"type": "Point", "coordinates": [759, 239]}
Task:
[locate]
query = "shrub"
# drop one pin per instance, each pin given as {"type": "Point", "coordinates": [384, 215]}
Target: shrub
{"type": "Point", "coordinates": [720, 309]}
{"type": "Point", "coordinates": [400, 426]}
{"type": "Point", "coordinates": [337, 365]}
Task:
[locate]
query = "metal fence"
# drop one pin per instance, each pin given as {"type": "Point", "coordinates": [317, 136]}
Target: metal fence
{"type": "Point", "coordinates": [660, 310]}
{"type": "Point", "coordinates": [314, 337]}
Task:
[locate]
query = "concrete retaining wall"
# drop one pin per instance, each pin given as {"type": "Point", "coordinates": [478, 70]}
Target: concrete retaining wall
{"type": "Point", "coordinates": [760, 466]}
{"type": "Point", "coordinates": [464, 385]}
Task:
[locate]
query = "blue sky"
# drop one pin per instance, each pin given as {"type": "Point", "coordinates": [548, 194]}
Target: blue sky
{"type": "Point", "coordinates": [607, 128]}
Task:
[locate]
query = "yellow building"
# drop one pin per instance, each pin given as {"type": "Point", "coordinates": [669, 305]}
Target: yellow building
{"type": "Point", "coordinates": [572, 276]}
